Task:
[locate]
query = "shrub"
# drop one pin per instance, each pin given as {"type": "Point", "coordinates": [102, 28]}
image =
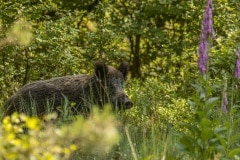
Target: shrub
{"type": "Point", "coordinates": [24, 137]}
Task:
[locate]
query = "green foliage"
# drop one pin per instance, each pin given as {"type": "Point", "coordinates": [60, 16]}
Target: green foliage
{"type": "Point", "coordinates": [200, 141]}
{"type": "Point", "coordinates": [212, 133]}
{"type": "Point", "coordinates": [158, 100]}
{"type": "Point", "coordinates": [159, 38]}
{"type": "Point", "coordinates": [157, 113]}
{"type": "Point", "coordinates": [24, 137]}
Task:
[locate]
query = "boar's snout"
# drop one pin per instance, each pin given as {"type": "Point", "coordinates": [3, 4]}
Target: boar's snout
{"type": "Point", "coordinates": [128, 104]}
{"type": "Point", "coordinates": [123, 102]}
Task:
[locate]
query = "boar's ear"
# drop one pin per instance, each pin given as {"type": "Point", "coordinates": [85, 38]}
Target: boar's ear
{"type": "Point", "coordinates": [101, 69]}
{"type": "Point", "coordinates": [124, 68]}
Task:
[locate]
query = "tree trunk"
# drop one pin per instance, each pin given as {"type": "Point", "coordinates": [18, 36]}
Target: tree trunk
{"type": "Point", "coordinates": [135, 51]}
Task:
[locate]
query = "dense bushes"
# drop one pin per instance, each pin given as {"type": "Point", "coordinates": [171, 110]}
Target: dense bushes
{"type": "Point", "coordinates": [176, 114]}
{"type": "Point", "coordinates": [24, 137]}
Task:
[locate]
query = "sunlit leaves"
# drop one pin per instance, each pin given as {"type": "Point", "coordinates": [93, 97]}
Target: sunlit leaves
{"type": "Point", "coordinates": [24, 137]}
{"type": "Point", "coordinates": [20, 32]}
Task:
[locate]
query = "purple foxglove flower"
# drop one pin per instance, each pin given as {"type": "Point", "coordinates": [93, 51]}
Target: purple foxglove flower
{"type": "Point", "coordinates": [207, 23]}
{"type": "Point", "coordinates": [203, 57]}
{"type": "Point", "coordinates": [237, 69]}
{"type": "Point", "coordinates": [207, 31]}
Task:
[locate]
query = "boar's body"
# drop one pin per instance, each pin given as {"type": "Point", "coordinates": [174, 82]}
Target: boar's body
{"type": "Point", "coordinates": [80, 91]}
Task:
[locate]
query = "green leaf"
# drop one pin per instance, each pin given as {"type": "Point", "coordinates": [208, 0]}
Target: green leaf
{"type": "Point", "coordinates": [234, 138]}
{"type": "Point", "coordinates": [211, 102]}
{"type": "Point", "coordinates": [205, 122]}
{"type": "Point", "coordinates": [222, 140]}
{"type": "Point", "coordinates": [189, 143]}
{"type": "Point", "coordinates": [236, 107]}
{"type": "Point", "coordinates": [234, 152]}
{"type": "Point", "coordinates": [206, 134]}
{"type": "Point", "coordinates": [191, 128]}
{"type": "Point", "coordinates": [219, 130]}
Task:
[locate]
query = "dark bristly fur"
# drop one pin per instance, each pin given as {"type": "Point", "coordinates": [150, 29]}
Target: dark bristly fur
{"type": "Point", "coordinates": [104, 86]}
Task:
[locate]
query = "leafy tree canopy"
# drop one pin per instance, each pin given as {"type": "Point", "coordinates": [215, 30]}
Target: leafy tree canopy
{"type": "Point", "coordinates": [158, 38]}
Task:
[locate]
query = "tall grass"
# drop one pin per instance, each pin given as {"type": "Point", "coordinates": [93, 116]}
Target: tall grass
{"type": "Point", "coordinates": [143, 130]}
{"type": "Point", "coordinates": [161, 125]}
